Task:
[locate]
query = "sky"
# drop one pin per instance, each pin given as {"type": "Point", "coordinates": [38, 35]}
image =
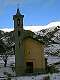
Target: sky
{"type": "Point", "coordinates": [36, 13]}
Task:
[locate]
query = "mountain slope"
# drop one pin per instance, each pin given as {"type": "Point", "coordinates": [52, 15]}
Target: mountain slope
{"type": "Point", "coordinates": [50, 36]}
{"type": "Point", "coordinates": [52, 40]}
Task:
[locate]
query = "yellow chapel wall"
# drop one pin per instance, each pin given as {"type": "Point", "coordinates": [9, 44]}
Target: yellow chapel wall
{"type": "Point", "coordinates": [34, 52]}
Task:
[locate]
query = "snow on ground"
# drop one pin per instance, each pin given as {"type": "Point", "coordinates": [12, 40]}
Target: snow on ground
{"type": "Point", "coordinates": [53, 59]}
{"type": "Point", "coordinates": [54, 76]}
{"type": "Point", "coordinates": [11, 60]}
{"type": "Point", "coordinates": [38, 77]}
{"type": "Point", "coordinates": [4, 71]}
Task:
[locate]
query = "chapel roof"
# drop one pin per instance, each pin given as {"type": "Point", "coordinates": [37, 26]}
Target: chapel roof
{"type": "Point", "coordinates": [29, 34]}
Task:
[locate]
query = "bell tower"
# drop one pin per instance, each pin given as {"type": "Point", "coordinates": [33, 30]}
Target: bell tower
{"type": "Point", "coordinates": [19, 54]}
{"type": "Point", "coordinates": [18, 20]}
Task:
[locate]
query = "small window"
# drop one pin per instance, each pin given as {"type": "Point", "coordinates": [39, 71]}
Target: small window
{"type": "Point", "coordinates": [18, 33]}
{"type": "Point", "coordinates": [18, 22]}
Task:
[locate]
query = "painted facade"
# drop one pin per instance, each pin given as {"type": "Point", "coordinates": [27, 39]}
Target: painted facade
{"type": "Point", "coordinates": [33, 52]}
{"type": "Point", "coordinates": [29, 51]}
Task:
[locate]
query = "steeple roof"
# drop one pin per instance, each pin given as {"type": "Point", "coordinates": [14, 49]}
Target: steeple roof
{"type": "Point", "coordinates": [18, 12]}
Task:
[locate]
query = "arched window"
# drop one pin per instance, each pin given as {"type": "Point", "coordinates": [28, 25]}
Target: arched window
{"type": "Point", "coordinates": [18, 22]}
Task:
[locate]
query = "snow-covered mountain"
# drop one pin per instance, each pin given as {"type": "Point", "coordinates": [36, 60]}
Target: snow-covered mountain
{"type": "Point", "coordinates": [6, 42]}
{"type": "Point", "coordinates": [51, 37]}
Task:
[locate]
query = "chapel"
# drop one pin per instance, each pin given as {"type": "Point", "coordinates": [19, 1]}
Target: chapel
{"type": "Point", "coordinates": [29, 51]}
